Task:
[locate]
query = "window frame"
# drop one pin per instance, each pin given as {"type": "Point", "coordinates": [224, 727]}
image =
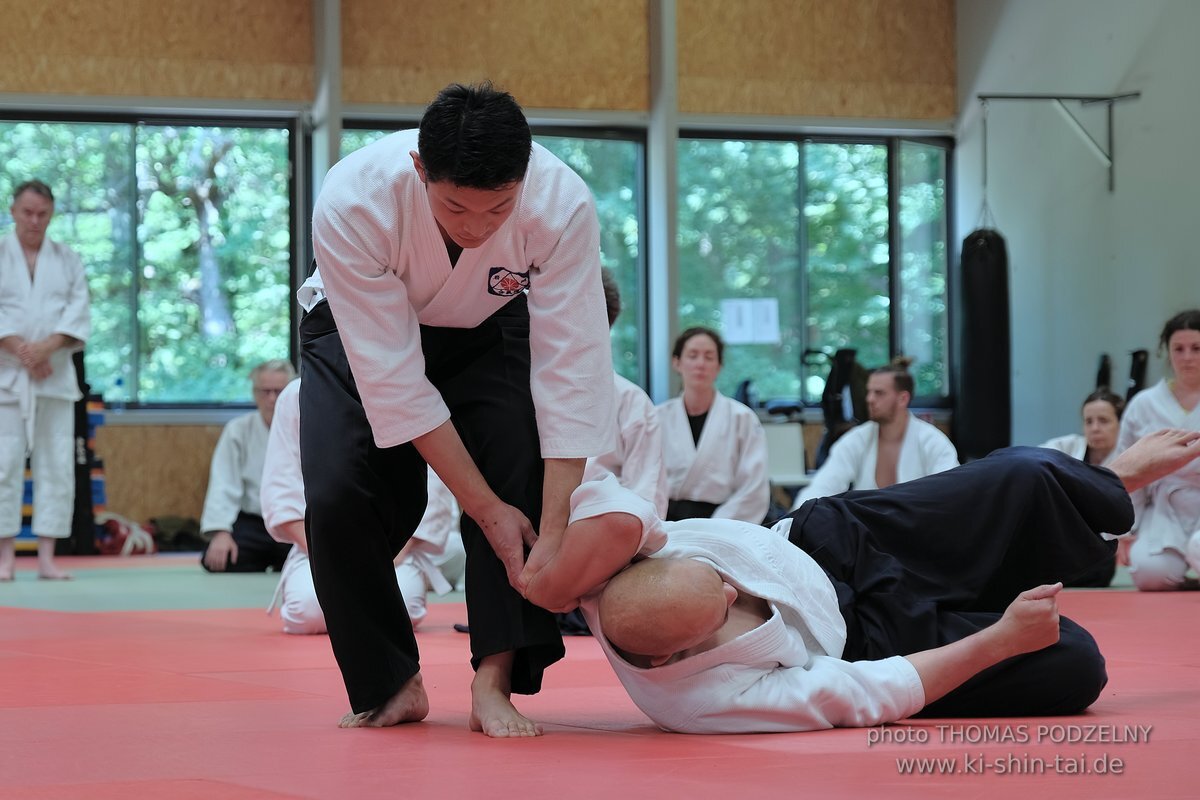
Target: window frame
{"type": "Point", "coordinates": [193, 411]}
{"type": "Point", "coordinates": [892, 143]}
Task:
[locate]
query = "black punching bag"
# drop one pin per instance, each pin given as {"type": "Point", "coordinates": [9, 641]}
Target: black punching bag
{"type": "Point", "coordinates": [983, 413]}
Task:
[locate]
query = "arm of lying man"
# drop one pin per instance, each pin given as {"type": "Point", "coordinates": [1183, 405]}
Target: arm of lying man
{"type": "Point", "coordinates": [609, 526]}
{"type": "Point", "coordinates": [1030, 623]}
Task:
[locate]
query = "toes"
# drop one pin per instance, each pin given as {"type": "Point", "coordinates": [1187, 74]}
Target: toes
{"type": "Point", "coordinates": [511, 729]}
{"type": "Point", "coordinates": [352, 720]}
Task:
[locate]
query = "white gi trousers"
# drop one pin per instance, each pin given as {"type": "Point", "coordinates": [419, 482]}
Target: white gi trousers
{"type": "Point", "coordinates": [297, 596]}
{"type": "Point", "coordinates": [52, 463]}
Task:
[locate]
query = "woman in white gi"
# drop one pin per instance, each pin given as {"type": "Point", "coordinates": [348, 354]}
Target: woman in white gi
{"type": "Point", "coordinates": [44, 318]}
{"type": "Point", "coordinates": [1101, 429]}
{"type": "Point", "coordinates": [1167, 513]}
{"type": "Point", "coordinates": [1097, 445]}
{"type": "Point", "coordinates": [417, 569]}
{"type": "Point", "coordinates": [715, 447]}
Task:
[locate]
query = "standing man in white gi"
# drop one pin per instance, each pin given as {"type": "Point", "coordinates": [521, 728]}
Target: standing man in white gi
{"type": "Point", "coordinates": [44, 317]}
{"type": "Point", "coordinates": [232, 519]}
{"type": "Point", "coordinates": [457, 295]}
{"type": "Point", "coordinates": [893, 447]}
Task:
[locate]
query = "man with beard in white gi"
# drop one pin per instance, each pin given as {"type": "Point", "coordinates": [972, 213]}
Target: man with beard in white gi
{"type": "Point", "coordinates": [456, 320]}
{"type": "Point", "coordinates": [893, 447]}
{"type": "Point", "coordinates": [44, 318]}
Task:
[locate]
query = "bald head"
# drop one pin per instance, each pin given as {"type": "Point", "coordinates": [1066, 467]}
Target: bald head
{"type": "Point", "coordinates": [661, 606]}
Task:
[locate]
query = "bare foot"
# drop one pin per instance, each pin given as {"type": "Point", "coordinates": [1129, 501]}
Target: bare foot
{"type": "Point", "coordinates": [7, 559]}
{"type": "Point", "coordinates": [1154, 456]}
{"type": "Point", "coordinates": [53, 574]}
{"type": "Point", "coordinates": [492, 712]}
{"type": "Point", "coordinates": [410, 704]}
{"type": "Point", "coordinates": [47, 569]}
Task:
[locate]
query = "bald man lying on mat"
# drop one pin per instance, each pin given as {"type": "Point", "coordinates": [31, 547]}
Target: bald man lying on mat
{"type": "Point", "coordinates": [858, 609]}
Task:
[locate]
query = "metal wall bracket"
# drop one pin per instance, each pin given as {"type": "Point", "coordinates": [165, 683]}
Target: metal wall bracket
{"type": "Point", "coordinates": [1106, 152]}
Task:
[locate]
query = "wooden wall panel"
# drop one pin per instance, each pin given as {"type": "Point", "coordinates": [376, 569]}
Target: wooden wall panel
{"type": "Point", "coordinates": [152, 470]}
{"type": "Point", "coordinates": [892, 59]}
{"type": "Point", "coordinates": [578, 54]}
{"type": "Point", "coordinates": [237, 49]}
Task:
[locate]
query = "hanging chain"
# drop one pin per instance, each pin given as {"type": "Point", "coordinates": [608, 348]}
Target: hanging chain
{"type": "Point", "coordinates": [985, 211]}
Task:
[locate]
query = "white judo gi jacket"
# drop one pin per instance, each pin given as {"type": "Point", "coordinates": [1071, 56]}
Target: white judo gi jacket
{"type": "Point", "coordinates": [853, 457]}
{"type": "Point", "coordinates": [637, 461]}
{"type": "Point", "coordinates": [55, 301]}
{"type": "Point", "coordinates": [383, 265]}
{"type": "Point", "coordinates": [1075, 445]}
{"type": "Point", "coordinates": [1167, 512]}
{"type": "Point", "coordinates": [235, 473]}
{"type": "Point", "coordinates": [786, 674]}
{"type": "Point", "coordinates": [282, 495]}
{"type": "Point", "coordinates": [728, 466]}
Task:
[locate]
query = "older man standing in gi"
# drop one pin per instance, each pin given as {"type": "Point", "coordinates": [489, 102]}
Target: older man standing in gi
{"type": "Point", "coordinates": [44, 317]}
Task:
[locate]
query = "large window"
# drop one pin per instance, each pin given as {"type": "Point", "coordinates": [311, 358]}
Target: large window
{"type": "Point", "coordinates": [794, 249]}
{"type": "Point", "coordinates": [185, 232]}
{"type": "Point", "coordinates": [611, 165]}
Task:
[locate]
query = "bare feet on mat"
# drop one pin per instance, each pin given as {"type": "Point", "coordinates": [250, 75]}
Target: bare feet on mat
{"type": "Point", "coordinates": [410, 704]}
{"type": "Point", "coordinates": [492, 712]}
{"type": "Point", "coordinates": [1154, 456]}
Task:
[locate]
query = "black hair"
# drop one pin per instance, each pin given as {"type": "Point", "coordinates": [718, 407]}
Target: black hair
{"type": "Point", "coordinates": [1103, 393]}
{"type": "Point", "coordinates": [677, 350]}
{"type": "Point", "coordinates": [37, 187]}
{"type": "Point", "coordinates": [612, 294]}
{"type": "Point", "coordinates": [1183, 321]}
{"type": "Point", "coordinates": [475, 137]}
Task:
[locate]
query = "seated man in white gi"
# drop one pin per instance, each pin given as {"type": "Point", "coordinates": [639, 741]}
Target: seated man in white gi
{"type": "Point", "coordinates": [232, 518]}
{"type": "Point", "coordinates": [893, 447]}
{"type": "Point", "coordinates": [637, 461]}
{"type": "Point", "coordinates": [860, 609]}
{"type": "Point", "coordinates": [417, 564]}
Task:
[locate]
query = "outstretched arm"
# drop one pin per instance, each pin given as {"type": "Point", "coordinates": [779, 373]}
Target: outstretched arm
{"type": "Point", "coordinates": [1155, 456]}
{"type": "Point", "coordinates": [1030, 623]}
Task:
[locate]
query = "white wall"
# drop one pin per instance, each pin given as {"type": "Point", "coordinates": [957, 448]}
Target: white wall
{"type": "Point", "coordinates": [1090, 271]}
